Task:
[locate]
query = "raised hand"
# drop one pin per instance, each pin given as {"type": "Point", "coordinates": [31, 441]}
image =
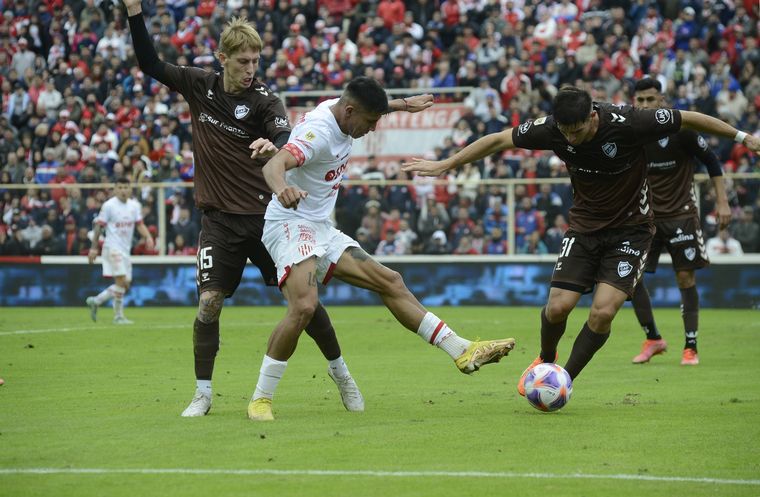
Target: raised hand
{"type": "Point", "coordinates": [418, 103]}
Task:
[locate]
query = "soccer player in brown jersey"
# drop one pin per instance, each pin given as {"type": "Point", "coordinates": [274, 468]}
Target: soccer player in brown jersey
{"type": "Point", "coordinates": [611, 223]}
{"type": "Point", "coordinates": [671, 175]}
{"type": "Point", "coordinates": [238, 123]}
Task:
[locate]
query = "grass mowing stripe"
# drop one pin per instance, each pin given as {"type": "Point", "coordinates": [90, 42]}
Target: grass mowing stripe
{"type": "Point", "coordinates": [382, 474]}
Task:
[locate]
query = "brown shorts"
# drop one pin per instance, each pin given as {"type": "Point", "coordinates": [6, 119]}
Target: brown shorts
{"type": "Point", "coordinates": [683, 240]}
{"type": "Point", "coordinates": [615, 256]}
{"type": "Point", "coordinates": [225, 244]}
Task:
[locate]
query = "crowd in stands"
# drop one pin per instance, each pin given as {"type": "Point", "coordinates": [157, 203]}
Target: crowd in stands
{"type": "Point", "coordinates": [76, 109]}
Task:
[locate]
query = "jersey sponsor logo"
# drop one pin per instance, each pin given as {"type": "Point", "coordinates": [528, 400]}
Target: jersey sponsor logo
{"type": "Point", "coordinates": [241, 111]}
{"type": "Point", "coordinates": [702, 143]}
{"type": "Point", "coordinates": [663, 116]}
{"type": "Point", "coordinates": [690, 253]}
{"type": "Point", "coordinates": [281, 122]}
{"type": "Point", "coordinates": [617, 118]}
{"type": "Point", "coordinates": [663, 142]}
{"type": "Point", "coordinates": [627, 249]}
{"type": "Point", "coordinates": [524, 127]}
{"type": "Point", "coordinates": [205, 118]}
{"type": "Point", "coordinates": [310, 136]}
{"type": "Point", "coordinates": [540, 121]}
{"type": "Point", "coordinates": [610, 149]}
{"type": "Point", "coordinates": [624, 269]}
{"type": "Point", "coordinates": [681, 237]}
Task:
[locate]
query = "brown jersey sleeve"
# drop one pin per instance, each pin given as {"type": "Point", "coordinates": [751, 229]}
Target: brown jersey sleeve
{"type": "Point", "coordinates": [650, 125]}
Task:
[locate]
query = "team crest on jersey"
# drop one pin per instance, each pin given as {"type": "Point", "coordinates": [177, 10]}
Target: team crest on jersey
{"type": "Point", "coordinates": [663, 116]}
{"type": "Point", "coordinates": [309, 136]}
{"type": "Point", "coordinates": [610, 150]}
{"type": "Point", "coordinates": [241, 111]}
{"type": "Point", "coordinates": [663, 142]}
{"type": "Point", "coordinates": [624, 269]}
{"type": "Point", "coordinates": [524, 127]}
{"type": "Point", "coordinates": [702, 143]}
{"type": "Point", "coordinates": [690, 253]}
{"type": "Point", "coordinates": [281, 122]}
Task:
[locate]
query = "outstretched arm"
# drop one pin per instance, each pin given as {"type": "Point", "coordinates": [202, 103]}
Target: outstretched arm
{"type": "Point", "coordinates": [417, 103]}
{"type": "Point", "coordinates": [707, 124]}
{"type": "Point", "coordinates": [480, 148]}
{"type": "Point", "coordinates": [147, 58]}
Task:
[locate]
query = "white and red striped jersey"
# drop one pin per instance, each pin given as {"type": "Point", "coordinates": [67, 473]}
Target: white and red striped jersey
{"type": "Point", "coordinates": [322, 151]}
{"type": "Point", "coordinates": [119, 219]}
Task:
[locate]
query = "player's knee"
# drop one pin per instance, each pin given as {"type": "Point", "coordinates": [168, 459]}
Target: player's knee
{"type": "Point", "coordinates": [393, 283]}
{"type": "Point", "coordinates": [557, 311]}
{"type": "Point", "coordinates": [304, 309]}
{"type": "Point", "coordinates": [686, 279]}
{"type": "Point", "coordinates": [602, 314]}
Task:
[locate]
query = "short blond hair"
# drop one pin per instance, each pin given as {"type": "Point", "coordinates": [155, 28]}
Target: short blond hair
{"type": "Point", "coordinates": [239, 35]}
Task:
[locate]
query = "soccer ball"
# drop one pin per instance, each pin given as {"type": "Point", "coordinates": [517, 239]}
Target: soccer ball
{"type": "Point", "coordinates": [548, 387]}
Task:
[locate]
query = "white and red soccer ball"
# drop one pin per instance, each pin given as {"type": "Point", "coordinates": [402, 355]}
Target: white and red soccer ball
{"type": "Point", "coordinates": [548, 387]}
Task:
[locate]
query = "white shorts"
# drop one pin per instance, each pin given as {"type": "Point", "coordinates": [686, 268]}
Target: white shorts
{"type": "Point", "coordinates": [116, 263]}
{"type": "Point", "coordinates": [295, 240]}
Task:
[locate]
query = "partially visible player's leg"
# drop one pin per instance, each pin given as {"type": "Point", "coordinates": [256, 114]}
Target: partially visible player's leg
{"type": "Point", "coordinates": [357, 268]}
{"type": "Point", "coordinates": [654, 344]}
{"type": "Point", "coordinates": [687, 284]}
{"type": "Point", "coordinates": [300, 290]}
{"type": "Point", "coordinates": [119, 290]}
{"type": "Point", "coordinates": [553, 323]}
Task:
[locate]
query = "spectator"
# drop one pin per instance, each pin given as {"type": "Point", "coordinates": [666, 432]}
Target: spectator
{"type": "Point", "coordinates": [497, 244]}
{"type": "Point", "coordinates": [555, 234]}
{"type": "Point", "coordinates": [178, 247]}
{"type": "Point", "coordinates": [437, 244]}
{"type": "Point", "coordinates": [16, 244]}
{"type": "Point", "coordinates": [747, 231]}
{"type": "Point", "coordinates": [185, 227]}
{"type": "Point", "coordinates": [365, 240]}
{"type": "Point", "coordinates": [390, 245]}
{"type": "Point", "coordinates": [723, 244]}
{"type": "Point", "coordinates": [49, 243]}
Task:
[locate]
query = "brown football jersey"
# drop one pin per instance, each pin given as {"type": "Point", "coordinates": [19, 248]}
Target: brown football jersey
{"type": "Point", "coordinates": [224, 125]}
{"type": "Point", "coordinates": [671, 172]}
{"type": "Point", "coordinates": [609, 172]}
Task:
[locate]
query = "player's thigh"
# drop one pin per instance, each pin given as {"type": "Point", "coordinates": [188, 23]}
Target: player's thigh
{"type": "Point", "coordinates": [358, 268]}
{"type": "Point", "coordinates": [686, 244]}
{"type": "Point", "coordinates": [300, 288]}
{"type": "Point", "coordinates": [221, 257]}
{"type": "Point", "coordinates": [577, 263]}
{"type": "Point", "coordinates": [625, 251]}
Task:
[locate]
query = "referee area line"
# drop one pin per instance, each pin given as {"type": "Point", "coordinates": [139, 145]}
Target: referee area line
{"type": "Point", "coordinates": [373, 473]}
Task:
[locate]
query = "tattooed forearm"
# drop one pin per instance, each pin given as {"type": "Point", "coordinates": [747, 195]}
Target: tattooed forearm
{"type": "Point", "coordinates": [210, 306]}
{"type": "Point", "coordinates": [312, 279]}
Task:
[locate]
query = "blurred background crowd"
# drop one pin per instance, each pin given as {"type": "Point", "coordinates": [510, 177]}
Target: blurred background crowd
{"type": "Point", "coordinates": [76, 109]}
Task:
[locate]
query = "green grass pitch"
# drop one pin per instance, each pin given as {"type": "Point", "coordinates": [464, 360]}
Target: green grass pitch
{"type": "Point", "coordinates": [92, 409]}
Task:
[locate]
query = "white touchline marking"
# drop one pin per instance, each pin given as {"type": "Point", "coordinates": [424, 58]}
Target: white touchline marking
{"type": "Point", "coordinates": [397, 474]}
{"type": "Point", "coordinates": [175, 326]}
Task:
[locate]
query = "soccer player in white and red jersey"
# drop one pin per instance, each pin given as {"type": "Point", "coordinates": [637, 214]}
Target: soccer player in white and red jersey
{"type": "Point", "coordinates": [119, 217]}
{"type": "Point", "coordinates": [305, 177]}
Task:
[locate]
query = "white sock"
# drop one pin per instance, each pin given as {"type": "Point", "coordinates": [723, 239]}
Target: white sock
{"type": "Point", "coordinates": [104, 296]}
{"type": "Point", "coordinates": [338, 367]}
{"type": "Point", "coordinates": [204, 387]}
{"type": "Point", "coordinates": [435, 332]}
{"type": "Point", "coordinates": [118, 300]}
{"type": "Point", "coordinates": [270, 375]}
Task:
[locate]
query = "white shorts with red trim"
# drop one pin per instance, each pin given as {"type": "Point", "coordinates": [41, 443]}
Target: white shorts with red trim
{"type": "Point", "coordinates": [295, 240]}
{"type": "Point", "coordinates": [116, 263]}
